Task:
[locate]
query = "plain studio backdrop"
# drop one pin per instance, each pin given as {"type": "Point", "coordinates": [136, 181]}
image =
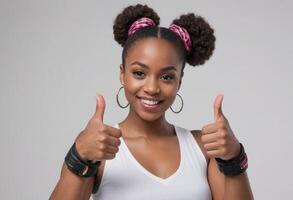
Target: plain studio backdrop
{"type": "Point", "coordinates": [55, 56]}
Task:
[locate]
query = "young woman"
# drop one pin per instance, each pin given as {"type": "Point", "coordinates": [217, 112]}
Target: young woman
{"type": "Point", "coordinates": [144, 156]}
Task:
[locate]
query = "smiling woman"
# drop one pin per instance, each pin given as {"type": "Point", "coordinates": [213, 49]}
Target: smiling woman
{"type": "Point", "coordinates": [156, 159]}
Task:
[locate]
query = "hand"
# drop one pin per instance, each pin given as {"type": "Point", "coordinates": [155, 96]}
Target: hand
{"type": "Point", "coordinates": [98, 141]}
{"type": "Point", "coordinates": [218, 139]}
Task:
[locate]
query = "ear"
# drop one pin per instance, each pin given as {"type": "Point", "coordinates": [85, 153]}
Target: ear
{"type": "Point", "coordinates": [122, 72]}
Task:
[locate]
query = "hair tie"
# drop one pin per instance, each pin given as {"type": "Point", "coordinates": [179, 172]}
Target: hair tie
{"type": "Point", "coordinates": [183, 34]}
{"type": "Point", "coordinates": [140, 23]}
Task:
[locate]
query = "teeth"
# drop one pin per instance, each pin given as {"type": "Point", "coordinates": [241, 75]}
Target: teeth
{"type": "Point", "coordinates": [149, 102]}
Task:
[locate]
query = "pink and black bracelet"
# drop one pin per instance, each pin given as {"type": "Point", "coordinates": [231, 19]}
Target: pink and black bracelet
{"type": "Point", "coordinates": [78, 166]}
{"type": "Point", "coordinates": [234, 166]}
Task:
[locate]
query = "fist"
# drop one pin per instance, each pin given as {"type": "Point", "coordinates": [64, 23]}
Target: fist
{"type": "Point", "coordinates": [218, 139]}
{"type": "Point", "coordinates": [98, 141]}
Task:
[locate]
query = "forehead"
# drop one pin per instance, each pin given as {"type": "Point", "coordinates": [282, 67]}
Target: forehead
{"type": "Point", "coordinates": [155, 52]}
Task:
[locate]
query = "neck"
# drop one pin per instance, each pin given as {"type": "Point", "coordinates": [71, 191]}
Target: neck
{"type": "Point", "coordinates": [135, 126]}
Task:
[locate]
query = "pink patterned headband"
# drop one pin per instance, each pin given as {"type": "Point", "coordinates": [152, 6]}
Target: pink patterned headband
{"type": "Point", "coordinates": [180, 31]}
{"type": "Point", "coordinates": [183, 34]}
{"type": "Point", "coordinates": [140, 23]}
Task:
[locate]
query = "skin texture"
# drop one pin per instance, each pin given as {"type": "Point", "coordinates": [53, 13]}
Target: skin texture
{"type": "Point", "coordinates": [153, 70]}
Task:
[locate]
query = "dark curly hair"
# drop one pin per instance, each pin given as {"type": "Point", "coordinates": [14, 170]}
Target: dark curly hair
{"type": "Point", "coordinates": [201, 34]}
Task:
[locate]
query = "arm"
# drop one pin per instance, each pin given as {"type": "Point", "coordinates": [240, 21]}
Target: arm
{"type": "Point", "coordinates": [219, 141]}
{"type": "Point", "coordinates": [97, 142]}
{"type": "Point", "coordinates": [226, 187]}
{"type": "Point", "coordinates": [72, 187]}
{"type": "Point", "coordinates": [238, 187]}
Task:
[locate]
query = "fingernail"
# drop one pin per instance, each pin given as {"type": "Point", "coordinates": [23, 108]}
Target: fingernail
{"type": "Point", "coordinates": [97, 96]}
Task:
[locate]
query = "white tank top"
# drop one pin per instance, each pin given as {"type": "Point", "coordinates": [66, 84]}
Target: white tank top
{"type": "Point", "coordinates": [124, 178]}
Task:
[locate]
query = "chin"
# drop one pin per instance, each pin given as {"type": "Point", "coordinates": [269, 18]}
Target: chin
{"type": "Point", "coordinates": [149, 117]}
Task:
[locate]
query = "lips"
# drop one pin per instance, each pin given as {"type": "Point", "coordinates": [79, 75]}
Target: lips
{"type": "Point", "coordinates": [149, 104]}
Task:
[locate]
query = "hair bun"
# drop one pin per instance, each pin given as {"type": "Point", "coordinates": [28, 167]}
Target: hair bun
{"type": "Point", "coordinates": [129, 15]}
{"type": "Point", "coordinates": [202, 38]}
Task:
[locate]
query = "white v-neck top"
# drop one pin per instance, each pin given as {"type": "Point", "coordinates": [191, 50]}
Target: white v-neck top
{"type": "Point", "coordinates": [124, 178]}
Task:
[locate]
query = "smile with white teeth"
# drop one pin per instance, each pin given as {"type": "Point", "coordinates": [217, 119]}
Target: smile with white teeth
{"type": "Point", "coordinates": [149, 102]}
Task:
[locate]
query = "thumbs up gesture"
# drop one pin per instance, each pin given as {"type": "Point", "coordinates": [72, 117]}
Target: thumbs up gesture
{"type": "Point", "coordinates": [98, 141]}
{"type": "Point", "coordinates": [218, 139]}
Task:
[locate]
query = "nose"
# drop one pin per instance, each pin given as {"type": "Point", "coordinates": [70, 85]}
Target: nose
{"type": "Point", "coordinates": [151, 86]}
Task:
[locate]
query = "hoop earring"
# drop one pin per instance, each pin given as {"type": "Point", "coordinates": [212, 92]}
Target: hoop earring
{"type": "Point", "coordinates": [176, 112]}
{"type": "Point", "coordinates": [117, 99]}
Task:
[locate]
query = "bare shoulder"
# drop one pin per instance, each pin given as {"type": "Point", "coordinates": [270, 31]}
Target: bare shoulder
{"type": "Point", "coordinates": [197, 136]}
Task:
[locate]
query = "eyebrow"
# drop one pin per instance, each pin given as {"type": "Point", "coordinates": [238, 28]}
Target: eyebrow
{"type": "Point", "coordinates": [147, 67]}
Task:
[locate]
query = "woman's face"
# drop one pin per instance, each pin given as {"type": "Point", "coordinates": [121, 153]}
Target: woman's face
{"type": "Point", "coordinates": [151, 77]}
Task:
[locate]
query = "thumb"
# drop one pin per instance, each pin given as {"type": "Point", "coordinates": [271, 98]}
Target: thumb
{"type": "Point", "coordinates": [100, 107]}
{"type": "Point", "coordinates": [218, 107]}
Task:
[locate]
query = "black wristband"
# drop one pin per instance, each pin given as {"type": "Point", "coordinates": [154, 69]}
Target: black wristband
{"type": "Point", "coordinates": [78, 166]}
{"type": "Point", "coordinates": [234, 166]}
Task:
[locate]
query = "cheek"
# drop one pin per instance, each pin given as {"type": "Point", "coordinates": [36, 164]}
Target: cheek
{"type": "Point", "coordinates": [172, 95]}
{"type": "Point", "coordinates": [171, 91]}
{"type": "Point", "coordinates": [172, 88]}
{"type": "Point", "coordinates": [132, 86]}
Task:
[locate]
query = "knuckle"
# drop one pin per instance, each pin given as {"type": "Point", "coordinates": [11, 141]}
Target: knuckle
{"type": "Point", "coordinates": [102, 137]}
{"type": "Point", "coordinates": [223, 126]}
{"type": "Point", "coordinates": [110, 156]}
{"type": "Point", "coordinates": [119, 133]}
{"type": "Point", "coordinates": [223, 142]}
{"type": "Point", "coordinates": [220, 124]}
{"type": "Point", "coordinates": [100, 155]}
{"type": "Point", "coordinates": [224, 151]}
{"type": "Point", "coordinates": [118, 142]}
{"type": "Point", "coordinates": [205, 138]}
{"type": "Point", "coordinates": [222, 134]}
{"type": "Point", "coordinates": [102, 147]}
{"type": "Point", "coordinates": [113, 155]}
{"type": "Point", "coordinates": [105, 155]}
{"type": "Point", "coordinates": [102, 128]}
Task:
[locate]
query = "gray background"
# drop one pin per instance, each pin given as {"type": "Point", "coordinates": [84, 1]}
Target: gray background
{"type": "Point", "coordinates": [55, 56]}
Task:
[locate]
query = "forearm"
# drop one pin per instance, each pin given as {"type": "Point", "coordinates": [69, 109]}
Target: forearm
{"type": "Point", "coordinates": [237, 187]}
{"type": "Point", "coordinates": [72, 187]}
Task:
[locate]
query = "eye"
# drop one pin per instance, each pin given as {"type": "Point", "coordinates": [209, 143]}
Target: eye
{"type": "Point", "coordinates": [168, 77]}
{"type": "Point", "coordinates": [138, 74]}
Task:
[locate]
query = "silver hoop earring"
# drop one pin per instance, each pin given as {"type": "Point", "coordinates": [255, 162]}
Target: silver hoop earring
{"type": "Point", "coordinates": [117, 99]}
{"type": "Point", "coordinates": [176, 112]}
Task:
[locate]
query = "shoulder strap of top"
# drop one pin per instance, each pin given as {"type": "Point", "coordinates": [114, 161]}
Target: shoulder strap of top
{"type": "Point", "coordinates": [190, 142]}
